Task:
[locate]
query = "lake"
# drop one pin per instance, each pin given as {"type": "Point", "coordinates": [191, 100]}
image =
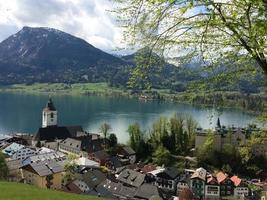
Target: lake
{"type": "Point", "coordinates": [22, 113]}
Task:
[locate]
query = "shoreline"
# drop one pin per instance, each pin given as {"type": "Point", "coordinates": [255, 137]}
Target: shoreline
{"type": "Point", "coordinates": [102, 89]}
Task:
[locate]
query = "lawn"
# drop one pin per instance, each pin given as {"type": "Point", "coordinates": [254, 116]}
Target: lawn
{"type": "Point", "coordinates": [61, 88]}
{"type": "Point", "coordinates": [18, 191]}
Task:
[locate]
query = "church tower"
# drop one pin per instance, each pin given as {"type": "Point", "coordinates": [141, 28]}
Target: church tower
{"type": "Point", "coordinates": [49, 115]}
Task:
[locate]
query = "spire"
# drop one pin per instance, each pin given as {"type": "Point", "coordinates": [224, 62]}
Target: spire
{"type": "Point", "coordinates": [50, 106]}
{"type": "Point", "coordinates": [218, 123]}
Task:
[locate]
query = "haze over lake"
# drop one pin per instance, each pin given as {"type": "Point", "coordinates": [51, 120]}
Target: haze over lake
{"type": "Point", "coordinates": [22, 113]}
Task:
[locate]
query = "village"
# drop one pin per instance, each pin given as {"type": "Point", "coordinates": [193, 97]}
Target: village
{"type": "Point", "coordinates": [67, 158]}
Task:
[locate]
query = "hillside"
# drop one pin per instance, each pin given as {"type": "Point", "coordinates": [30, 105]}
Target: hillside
{"type": "Point", "coordinates": [18, 191]}
{"type": "Point", "coordinates": [50, 55]}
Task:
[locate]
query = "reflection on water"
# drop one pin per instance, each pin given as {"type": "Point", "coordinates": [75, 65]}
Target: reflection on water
{"type": "Point", "coordinates": [22, 113]}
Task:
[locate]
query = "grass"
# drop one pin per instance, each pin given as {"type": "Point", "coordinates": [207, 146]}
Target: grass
{"type": "Point", "coordinates": [19, 191]}
{"type": "Point", "coordinates": [61, 88]}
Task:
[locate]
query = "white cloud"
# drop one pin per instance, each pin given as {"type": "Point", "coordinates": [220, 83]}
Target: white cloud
{"type": "Point", "coordinates": [88, 19]}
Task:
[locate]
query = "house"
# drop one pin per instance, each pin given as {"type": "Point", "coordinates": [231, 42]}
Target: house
{"type": "Point", "coordinates": [148, 168]}
{"type": "Point", "coordinates": [183, 183]}
{"type": "Point", "coordinates": [72, 188]}
{"type": "Point", "coordinates": [128, 153]}
{"type": "Point", "coordinates": [52, 156]}
{"type": "Point", "coordinates": [119, 190]}
{"type": "Point", "coordinates": [77, 145]}
{"type": "Point", "coordinates": [87, 162]}
{"type": "Point", "coordinates": [187, 194]}
{"type": "Point", "coordinates": [167, 179]}
{"type": "Point", "coordinates": [100, 191]}
{"type": "Point", "coordinates": [226, 185]}
{"type": "Point", "coordinates": [114, 163]}
{"type": "Point", "coordinates": [131, 178]}
{"type": "Point", "coordinates": [146, 191]}
{"type": "Point", "coordinates": [197, 182]}
{"type": "Point", "coordinates": [70, 145]}
{"type": "Point", "coordinates": [264, 194]}
{"type": "Point", "coordinates": [14, 171]}
{"type": "Point", "coordinates": [89, 179]}
{"type": "Point", "coordinates": [45, 174]}
{"type": "Point", "coordinates": [11, 149]}
{"type": "Point", "coordinates": [24, 153]}
{"type": "Point", "coordinates": [100, 156]}
{"type": "Point", "coordinates": [212, 188]}
{"type": "Point", "coordinates": [241, 189]}
{"type": "Point", "coordinates": [18, 151]}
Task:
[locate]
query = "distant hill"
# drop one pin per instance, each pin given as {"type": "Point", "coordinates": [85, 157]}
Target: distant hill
{"type": "Point", "coordinates": [50, 55]}
{"type": "Point", "coordinates": [46, 55]}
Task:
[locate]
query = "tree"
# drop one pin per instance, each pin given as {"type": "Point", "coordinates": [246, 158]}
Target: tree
{"type": "Point", "coordinates": [159, 131]}
{"type": "Point", "coordinates": [113, 141]}
{"type": "Point", "coordinates": [205, 154]}
{"type": "Point", "coordinates": [161, 156]}
{"type": "Point", "coordinates": [104, 129]}
{"type": "Point", "coordinates": [70, 167]}
{"type": "Point", "coordinates": [219, 30]}
{"type": "Point", "coordinates": [3, 167]}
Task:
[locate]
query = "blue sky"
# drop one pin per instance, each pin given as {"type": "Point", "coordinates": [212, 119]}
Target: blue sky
{"type": "Point", "coordinates": [87, 19]}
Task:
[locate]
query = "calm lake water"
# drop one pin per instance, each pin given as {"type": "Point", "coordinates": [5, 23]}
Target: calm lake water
{"type": "Point", "coordinates": [22, 113]}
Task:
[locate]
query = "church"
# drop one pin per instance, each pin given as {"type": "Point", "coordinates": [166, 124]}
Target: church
{"type": "Point", "coordinates": [50, 133]}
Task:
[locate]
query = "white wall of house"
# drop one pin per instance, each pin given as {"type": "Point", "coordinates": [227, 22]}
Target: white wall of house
{"type": "Point", "coordinates": [212, 190]}
{"type": "Point", "coordinates": [82, 185]}
{"type": "Point", "coordinates": [241, 191]}
{"type": "Point", "coordinates": [132, 159]}
{"type": "Point", "coordinates": [181, 186]}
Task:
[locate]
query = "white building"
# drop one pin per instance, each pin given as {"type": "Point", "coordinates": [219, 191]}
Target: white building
{"type": "Point", "coordinates": [49, 115]}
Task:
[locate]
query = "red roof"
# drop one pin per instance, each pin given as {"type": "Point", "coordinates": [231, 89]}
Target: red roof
{"type": "Point", "coordinates": [148, 168]}
{"type": "Point", "coordinates": [236, 180]}
{"type": "Point", "coordinates": [261, 184]}
{"type": "Point", "coordinates": [186, 194]}
{"type": "Point", "coordinates": [211, 179]}
{"type": "Point", "coordinates": [72, 188]}
{"type": "Point", "coordinates": [221, 177]}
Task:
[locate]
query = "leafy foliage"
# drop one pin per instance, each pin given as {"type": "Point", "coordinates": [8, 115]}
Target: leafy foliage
{"type": "Point", "coordinates": [3, 167]}
{"type": "Point", "coordinates": [218, 30]}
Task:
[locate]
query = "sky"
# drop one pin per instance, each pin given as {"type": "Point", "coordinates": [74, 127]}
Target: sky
{"type": "Point", "coordinates": [87, 19]}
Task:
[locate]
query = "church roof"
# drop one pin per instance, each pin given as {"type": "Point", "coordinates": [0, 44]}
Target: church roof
{"type": "Point", "coordinates": [50, 106]}
{"type": "Point", "coordinates": [51, 133]}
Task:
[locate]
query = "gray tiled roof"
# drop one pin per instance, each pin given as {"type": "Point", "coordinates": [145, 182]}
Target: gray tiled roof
{"type": "Point", "coordinates": [146, 191]}
{"type": "Point", "coordinates": [131, 177]}
{"type": "Point", "coordinates": [128, 150]}
{"type": "Point", "coordinates": [56, 156]}
{"type": "Point", "coordinates": [71, 143]}
{"type": "Point", "coordinates": [46, 168]}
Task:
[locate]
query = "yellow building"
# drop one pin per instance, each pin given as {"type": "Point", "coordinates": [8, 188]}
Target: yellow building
{"type": "Point", "coordinates": [264, 195]}
{"type": "Point", "coordinates": [44, 174]}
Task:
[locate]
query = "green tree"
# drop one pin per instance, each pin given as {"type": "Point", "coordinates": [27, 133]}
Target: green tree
{"type": "Point", "coordinates": [104, 129]}
{"type": "Point", "coordinates": [137, 141]}
{"type": "Point", "coordinates": [191, 126]}
{"type": "Point", "coordinates": [135, 134]}
{"type": "Point", "coordinates": [218, 29]}
{"type": "Point", "coordinates": [161, 156]}
{"type": "Point", "coordinates": [205, 154]}
{"type": "Point", "coordinates": [113, 141]}
{"type": "Point", "coordinates": [159, 131]}
{"type": "Point", "coordinates": [70, 167]}
{"type": "Point", "coordinates": [3, 167]}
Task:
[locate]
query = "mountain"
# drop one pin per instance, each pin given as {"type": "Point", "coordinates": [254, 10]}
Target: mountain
{"type": "Point", "coordinates": [50, 55]}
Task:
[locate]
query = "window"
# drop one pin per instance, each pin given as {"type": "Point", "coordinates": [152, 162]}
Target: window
{"type": "Point", "coordinates": [52, 115]}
